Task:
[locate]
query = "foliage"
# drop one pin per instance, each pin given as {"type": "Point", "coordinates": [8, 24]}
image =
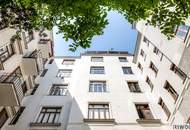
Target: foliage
{"type": "Point", "coordinates": [81, 20]}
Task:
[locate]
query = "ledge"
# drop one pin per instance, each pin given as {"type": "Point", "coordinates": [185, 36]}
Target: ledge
{"type": "Point", "coordinates": [45, 124]}
{"type": "Point", "coordinates": [149, 121]}
{"type": "Point", "coordinates": [99, 120]}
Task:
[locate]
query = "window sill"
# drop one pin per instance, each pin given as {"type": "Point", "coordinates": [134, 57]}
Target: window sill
{"type": "Point", "coordinates": [99, 120]}
{"type": "Point", "coordinates": [32, 124]}
{"type": "Point", "coordinates": [149, 121]}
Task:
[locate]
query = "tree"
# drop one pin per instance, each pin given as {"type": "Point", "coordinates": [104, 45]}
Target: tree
{"type": "Point", "coordinates": [81, 20]}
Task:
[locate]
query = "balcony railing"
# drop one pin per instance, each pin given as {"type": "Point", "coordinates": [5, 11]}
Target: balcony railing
{"type": "Point", "coordinates": [12, 88]}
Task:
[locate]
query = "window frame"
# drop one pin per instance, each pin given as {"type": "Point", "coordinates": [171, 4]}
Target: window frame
{"type": "Point", "coordinates": [43, 111]}
{"type": "Point", "coordinates": [140, 111]}
{"type": "Point", "coordinates": [164, 107]}
{"type": "Point", "coordinates": [94, 70]}
{"type": "Point", "coordinates": [153, 68]}
{"type": "Point", "coordinates": [134, 86]}
{"type": "Point", "coordinates": [103, 87]}
{"type": "Point", "coordinates": [122, 59]}
{"type": "Point", "coordinates": [66, 73]}
{"type": "Point", "coordinates": [56, 89]}
{"type": "Point", "coordinates": [130, 70]}
{"type": "Point", "coordinates": [168, 87]}
{"type": "Point", "coordinates": [97, 59]}
{"type": "Point", "coordinates": [105, 112]}
{"type": "Point", "coordinates": [68, 61]}
{"type": "Point", "coordinates": [149, 82]}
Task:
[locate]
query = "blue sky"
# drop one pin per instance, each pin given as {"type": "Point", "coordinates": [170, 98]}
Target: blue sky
{"type": "Point", "coordinates": [118, 35]}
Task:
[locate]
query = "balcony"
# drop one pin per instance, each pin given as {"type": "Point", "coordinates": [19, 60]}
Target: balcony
{"type": "Point", "coordinates": [32, 63]}
{"type": "Point", "coordinates": [46, 48]}
{"type": "Point", "coordinates": [12, 89]}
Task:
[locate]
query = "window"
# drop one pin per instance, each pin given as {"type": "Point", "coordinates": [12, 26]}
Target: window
{"type": "Point", "coordinates": [97, 70]}
{"type": "Point", "coordinates": [6, 52]}
{"type": "Point", "coordinates": [144, 111]}
{"type": "Point", "coordinates": [182, 31]}
{"type": "Point", "coordinates": [134, 86]}
{"type": "Point", "coordinates": [58, 90]}
{"type": "Point", "coordinates": [140, 66]}
{"type": "Point", "coordinates": [142, 53]}
{"type": "Point", "coordinates": [63, 73]}
{"type": "Point", "coordinates": [49, 115]}
{"type": "Point", "coordinates": [164, 107]}
{"type": "Point", "coordinates": [68, 62]}
{"type": "Point", "coordinates": [3, 117]}
{"type": "Point", "coordinates": [127, 70]}
{"type": "Point", "coordinates": [122, 59]}
{"type": "Point", "coordinates": [180, 73]}
{"type": "Point", "coordinates": [149, 82]}
{"type": "Point", "coordinates": [51, 61]}
{"type": "Point", "coordinates": [171, 90]}
{"type": "Point", "coordinates": [146, 41]}
{"type": "Point", "coordinates": [98, 111]}
{"type": "Point", "coordinates": [43, 72]}
{"type": "Point", "coordinates": [156, 50]}
{"type": "Point", "coordinates": [153, 67]}
{"type": "Point", "coordinates": [17, 115]}
{"type": "Point", "coordinates": [97, 59]}
{"type": "Point", "coordinates": [97, 86]}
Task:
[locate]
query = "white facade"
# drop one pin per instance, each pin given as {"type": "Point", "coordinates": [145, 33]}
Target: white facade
{"type": "Point", "coordinates": [74, 105]}
{"type": "Point", "coordinates": [164, 54]}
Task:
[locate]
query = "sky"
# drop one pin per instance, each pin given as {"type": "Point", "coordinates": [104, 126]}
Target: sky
{"type": "Point", "coordinates": [118, 35]}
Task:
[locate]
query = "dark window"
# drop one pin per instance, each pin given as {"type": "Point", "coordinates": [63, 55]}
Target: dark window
{"type": "Point", "coordinates": [149, 82]}
{"type": "Point", "coordinates": [97, 70]}
{"type": "Point", "coordinates": [142, 53]}
{"type": "Point", "coordinates": [134, 86]}
{"type": "Point", "coordinates": [144, 111]}
{"type": "Point", "coordinates": [68, 62]}
{"type": "Point", "coordinates": [171, 90]}
{"type": "Point", "coordinates": [97, 59]}
{"type": "Point", "coordinates": [43, 72]}
{"type": "Point", "coordinates": [127, 70]}
{"type": "Point", "coordinates": [17, 116]}
{"type": "Point", "coordinates": [98, 111]}
{"type": "Point", "coordinates": [3, 117]}
{"type": "Point", "coordinates": [140, 66]}
{"type": "Point", "coordinates": [146, 41]}
{"type": "Point", "coordinates": [123, 59]}
{"type": "Point", "coordinates": [51, 61]}
{"type": "Point", "coordinates": [58, 90]}
{"type": "Point", "coordinates": [24, 87]}
{"type": "Point", "coordinates": [164, 107]}
{"type": "Point", "coordinates": [182, 31]}
{"type": "Point", "coordinates": [49, 115]}
{"type": "Point", "coordinates": [154, 68]}
{"type": "Point", "coordinates": [156, 50]}
{"type": "Point", "coordinates": [97, 86]}
{"type": "Point", "coordinates": [64, 73]}
{"type": "Point", "coordinates": [180, 73]}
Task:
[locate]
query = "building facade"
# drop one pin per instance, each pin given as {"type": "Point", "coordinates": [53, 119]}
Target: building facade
{"type": "Point", "coordinates": [98, 90]}
{"type": "Point", "coordinates": [165, 67]}
{"type": "Point", "coordinates": [22, 59]}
